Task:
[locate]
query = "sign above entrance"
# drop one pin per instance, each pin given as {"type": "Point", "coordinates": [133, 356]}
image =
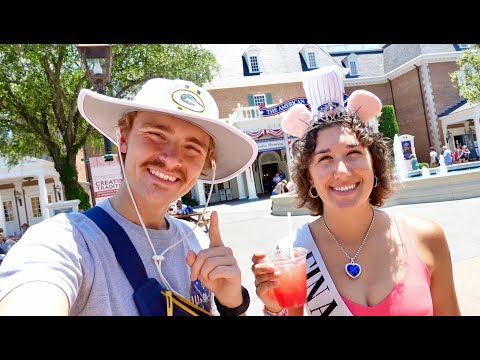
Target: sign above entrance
{"type": "Point", "coordinates": [272, 144]}
{"type": "Point", "coordinates": [277, 109]}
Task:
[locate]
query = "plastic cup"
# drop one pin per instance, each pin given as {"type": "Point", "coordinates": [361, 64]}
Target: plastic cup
{"type": "Point", "coordinates": [292, 290]}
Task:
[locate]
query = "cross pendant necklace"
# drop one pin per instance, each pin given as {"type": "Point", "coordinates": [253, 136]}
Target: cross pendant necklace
{"type": "Point", "coordinates": [352, 268]}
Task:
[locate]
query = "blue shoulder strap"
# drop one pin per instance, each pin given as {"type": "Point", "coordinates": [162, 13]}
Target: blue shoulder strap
{"type": "Point", "coordinates": [125, 252]}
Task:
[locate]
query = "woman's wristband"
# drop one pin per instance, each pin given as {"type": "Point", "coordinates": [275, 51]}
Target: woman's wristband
{"type": "Point", "coordinates": [282, 312]}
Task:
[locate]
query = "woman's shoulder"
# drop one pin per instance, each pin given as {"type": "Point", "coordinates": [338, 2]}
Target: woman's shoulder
{"type": "Point", "coordinates": [427, 233]}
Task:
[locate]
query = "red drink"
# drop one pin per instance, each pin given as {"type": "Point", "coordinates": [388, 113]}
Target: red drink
{"type": "Point", "coordinates": [292, 290]}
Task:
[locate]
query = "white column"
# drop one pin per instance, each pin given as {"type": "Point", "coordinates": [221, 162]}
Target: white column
{"type": "Point", "coordinates": [241, 187]}
{"type": "Point", "coordinates": [3, 224]}
{"type": "Point", "coordinates": [289, 154]}
{"type": "Point", "coordinates": [200, 192]}
{"type": "Point", "coordinates": [42, 188]}
{"type": "Point", "coordinates": [252, 192]}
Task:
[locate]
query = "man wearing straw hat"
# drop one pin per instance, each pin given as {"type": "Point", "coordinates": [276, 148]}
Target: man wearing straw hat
{"type": "Point", "coordinates": [168, 137]}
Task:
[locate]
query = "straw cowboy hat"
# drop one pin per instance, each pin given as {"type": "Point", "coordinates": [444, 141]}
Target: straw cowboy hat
{"type": "Point", "coordinates": [235, 151]}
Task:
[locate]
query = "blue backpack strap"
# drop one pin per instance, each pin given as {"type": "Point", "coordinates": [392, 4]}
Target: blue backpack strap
{"type": "Point", "coordinates": [125, 252]}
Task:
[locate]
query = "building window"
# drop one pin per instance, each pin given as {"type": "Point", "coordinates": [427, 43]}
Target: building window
{"type": "Point", "coordinates": [464, 46]}
{"type": "Point", "coordinates": [252, 61]}
{"type": "Point", "coordinates": [312, 62]}
{"type": "Point", "coordinates": [36, 210]}
{"type": "Point", "coordinates": [352, 64]}
{"type": "Point", "coordinates": [259, 100]}
{"type": "Point", "coordinates": [254, 64]}
{"type": "Point", "coordinates": [207, 189]}
{"type": "Point", "coordinates": [8, 211]}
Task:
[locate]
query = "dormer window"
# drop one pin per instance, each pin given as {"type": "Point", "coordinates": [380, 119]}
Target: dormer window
{"type": "Point", "coordinates": [254, 68]}
{"type": "Point", "coordinates": [310, 56]}
{"type": "Point", "coordinates": [252, 61]}
{"type": "Point", "coordinates": [312, 62]}
{"type": "Point", "coordinates": [351, 63]}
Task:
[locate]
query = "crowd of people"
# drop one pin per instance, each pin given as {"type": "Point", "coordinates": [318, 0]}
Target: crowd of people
{"type": "Point", "coordinates": [127, 256]}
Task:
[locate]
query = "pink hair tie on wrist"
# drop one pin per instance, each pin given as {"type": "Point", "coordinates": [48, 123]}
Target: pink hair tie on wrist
{"type": "Point", "coordinates": [282, 312]}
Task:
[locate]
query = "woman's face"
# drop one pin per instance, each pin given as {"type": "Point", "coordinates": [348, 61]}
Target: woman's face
{"type": "Point", "coordinates": [341, 169]}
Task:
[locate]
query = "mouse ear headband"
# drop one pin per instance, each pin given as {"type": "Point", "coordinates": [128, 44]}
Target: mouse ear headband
{"type": "Point", "coordinates": [324, 91]}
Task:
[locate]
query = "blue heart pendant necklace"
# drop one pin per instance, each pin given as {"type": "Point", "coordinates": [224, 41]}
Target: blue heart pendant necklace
{"type": "Point", "coordinates": [352, 268]}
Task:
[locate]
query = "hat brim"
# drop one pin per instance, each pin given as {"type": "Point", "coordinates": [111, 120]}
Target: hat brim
{"type": "Point", "coordinates": [235, 151]}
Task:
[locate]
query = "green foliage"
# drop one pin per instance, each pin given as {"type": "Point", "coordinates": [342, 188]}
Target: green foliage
{"type": "Point", "coordinates": [189, 201]}
{"type": "Point", "coordinates": [467, 78]}
{"type": "Point", "coordinates": [388, 124]}
{"type": "Point", "coordinates": [39, 85]}
{"type": "Point", "coordinates": [423, 164]}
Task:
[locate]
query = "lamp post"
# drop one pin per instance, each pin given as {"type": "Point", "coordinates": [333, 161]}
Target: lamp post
{"type": "Point", "coordinates": [58, 190]}
{"type": "Point", "coordinates": [18, 196]}
{"type": "Point", "coordinates": [97, 60]}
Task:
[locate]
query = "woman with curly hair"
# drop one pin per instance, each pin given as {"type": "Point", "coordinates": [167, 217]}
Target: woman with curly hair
{"type": "Point", "coordinates": [361, 260]}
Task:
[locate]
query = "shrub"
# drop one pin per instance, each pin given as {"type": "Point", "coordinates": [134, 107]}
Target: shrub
{"type": "Point", "coordinates": [387, 122]}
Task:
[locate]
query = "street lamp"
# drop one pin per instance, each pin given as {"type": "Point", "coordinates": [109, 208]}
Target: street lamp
{"type": "Point", "coordinates": [18, 196]}
{"type": "Point", "coordinates": [58, 190]}
{"type": "Point", "coordinates": [97, 60]}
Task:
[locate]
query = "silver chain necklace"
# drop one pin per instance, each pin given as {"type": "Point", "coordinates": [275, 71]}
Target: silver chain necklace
{"type": "Point", "coordinates": [352, 268]}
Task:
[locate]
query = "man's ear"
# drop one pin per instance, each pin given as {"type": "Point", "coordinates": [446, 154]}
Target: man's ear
{"type": "Point", "coordinates": [122, 141]}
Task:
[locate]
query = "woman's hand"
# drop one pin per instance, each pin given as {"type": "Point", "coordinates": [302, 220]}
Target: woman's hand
{"type": "Point", "coordinates": [266, 279]}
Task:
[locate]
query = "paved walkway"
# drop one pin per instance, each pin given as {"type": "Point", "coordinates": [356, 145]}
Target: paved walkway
{"type": "Point", "coordinates": [248, 226]}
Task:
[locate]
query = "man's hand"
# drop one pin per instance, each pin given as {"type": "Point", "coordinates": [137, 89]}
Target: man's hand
{"type": "Point", "coordinates": [217, 268]}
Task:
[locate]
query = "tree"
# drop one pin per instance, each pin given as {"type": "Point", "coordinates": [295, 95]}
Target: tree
{"type": "Point", "coordinates": [39, 85]}
{"type": "Point", "coordinates": [467, 79]}
{"type": "Point", "coordinates": [387, 123]}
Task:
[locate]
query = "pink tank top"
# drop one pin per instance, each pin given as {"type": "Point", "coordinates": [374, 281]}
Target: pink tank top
{"type": "Point", "coordinates": [410, 297]}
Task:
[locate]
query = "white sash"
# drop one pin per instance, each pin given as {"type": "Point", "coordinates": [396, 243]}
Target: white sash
{"type": "Point", "coordinates": [323, 298]}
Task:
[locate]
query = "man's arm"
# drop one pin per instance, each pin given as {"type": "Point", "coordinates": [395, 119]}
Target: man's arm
{"type": "Point", "coordinates": [35, 298]}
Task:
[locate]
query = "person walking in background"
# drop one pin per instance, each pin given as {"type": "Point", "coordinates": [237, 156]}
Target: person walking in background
{"type": "Point", "coordinates": [361, 260]}
{"type": "Point", "coordinates": [465, 154]}
{"type": "Point", "coordinates": [455, 156]}
{"type": "Point", "coordinates": [447, 155]}
{"type": "Point", "coordinates": [168, 138]}
{"type": "Point", "coordinates": [276, 179]}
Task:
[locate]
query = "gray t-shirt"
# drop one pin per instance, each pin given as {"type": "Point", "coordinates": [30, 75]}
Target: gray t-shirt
{"type": "Point", "coordinates": [69, 250]}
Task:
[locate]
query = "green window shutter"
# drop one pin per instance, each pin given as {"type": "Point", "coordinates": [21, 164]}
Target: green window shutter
{"type": "Point", "coordinates": [250, 100]}
{"type": "Point", "coordinates": [269, 98]}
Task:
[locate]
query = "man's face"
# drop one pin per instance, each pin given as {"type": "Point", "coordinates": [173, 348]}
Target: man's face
{"type": "Point", "coordinates": [165, 156]}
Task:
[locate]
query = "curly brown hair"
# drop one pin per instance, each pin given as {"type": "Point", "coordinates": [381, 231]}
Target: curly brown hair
{"type": "Point", "coordinates": [126, 122]}
{"type": "Point", "coordinates": [379, 147]}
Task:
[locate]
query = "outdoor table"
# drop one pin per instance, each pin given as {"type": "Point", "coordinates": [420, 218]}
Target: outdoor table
{"type": "Point", "coordinates": [196, 217]}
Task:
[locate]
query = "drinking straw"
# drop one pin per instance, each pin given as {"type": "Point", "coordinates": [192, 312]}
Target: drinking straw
{"type": "Point", "coordinates": [290, 234]}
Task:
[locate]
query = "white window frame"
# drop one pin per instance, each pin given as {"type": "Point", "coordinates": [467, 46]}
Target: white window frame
{"type": "Point", "coordinates": [348, 61]}
{"type": "Point", "coordinates": [251, 53]}
{"type": "Point", "coordinates": [352, 65]}
{"type": "Point", "coordinates": [257, 97]}
{"type": "Point", "coordinates": [315, 51]}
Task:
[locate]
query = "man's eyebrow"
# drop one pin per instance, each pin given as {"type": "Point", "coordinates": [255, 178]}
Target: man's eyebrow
{"type": "Point", "coordinates": [322, 151]}
{"type": "Point", "coordinates": [169, 130]}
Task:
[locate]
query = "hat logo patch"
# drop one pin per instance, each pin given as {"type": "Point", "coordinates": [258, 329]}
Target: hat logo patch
{"type": "Point", "coordinates": [188, 100]}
